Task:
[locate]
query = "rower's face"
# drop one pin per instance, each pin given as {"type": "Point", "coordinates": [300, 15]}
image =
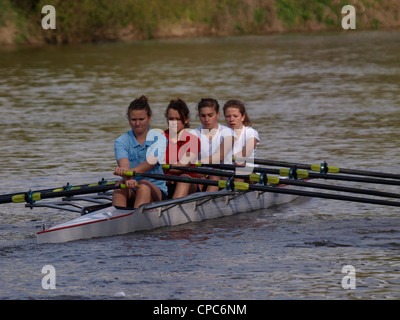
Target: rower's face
{"type": "Point", "coordinates": [234, 118]}
{"type": "Point", "coordinates": [139, 121]}
{"type": "Point", "coordinates": [209, 117]}
{"type": "Point", "coordinates": [175, 123]}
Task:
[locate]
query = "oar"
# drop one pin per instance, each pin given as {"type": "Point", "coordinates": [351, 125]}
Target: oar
{"type": "Point", "coordinates": [276, 181]}
{"type": "Point", "coordinates": [243, 186]}
{"type": "Point", "coordinates": [306, 174]}
{"type": "Point", "coordinates": [32, 196]}
{"type": "Point", "coordinates": [205, 171]}
{"type": "Point", "coordinates": [325, 168]}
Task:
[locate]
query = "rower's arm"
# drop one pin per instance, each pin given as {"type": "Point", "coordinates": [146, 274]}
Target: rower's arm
{"type": "Point", "coordinates": [146, 165]}
{"type": "Point", "coordinates": [224, 149]}
{"type": "Point", "coordinates": [247, 149]}
{"type": "Point", "coordinates": [222, 152]}
{"type": "Point", "coordinates": [123, 166]}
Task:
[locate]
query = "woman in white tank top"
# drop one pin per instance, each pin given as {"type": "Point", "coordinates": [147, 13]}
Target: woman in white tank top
{"type": "Point", "coordinates": [216, 140]}
{"type": "Point", "coordinates": [246, 138]}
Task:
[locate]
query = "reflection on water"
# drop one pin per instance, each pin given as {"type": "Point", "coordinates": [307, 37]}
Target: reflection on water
{"type": "Point", "coordinates": [312, 98]}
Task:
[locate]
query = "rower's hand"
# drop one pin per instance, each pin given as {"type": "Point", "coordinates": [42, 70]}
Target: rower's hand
{"type": "Point", "coordinates": [131, 184]}
{"type": "Point", "coordinates": [120, 171]}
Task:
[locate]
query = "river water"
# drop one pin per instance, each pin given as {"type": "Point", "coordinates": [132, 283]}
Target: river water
{"type": "Point", "coordinates": [312, 97]}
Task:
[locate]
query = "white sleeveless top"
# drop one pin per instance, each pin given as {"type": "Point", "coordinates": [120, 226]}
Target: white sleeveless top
{"type": "Point", "coordinates": [246, 134]}
{"type": "Point", "coordinates": [209, 147]}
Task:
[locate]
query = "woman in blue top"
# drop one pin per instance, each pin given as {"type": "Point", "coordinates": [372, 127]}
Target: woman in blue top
{"type": "Point", "coordinates": [141, 149]}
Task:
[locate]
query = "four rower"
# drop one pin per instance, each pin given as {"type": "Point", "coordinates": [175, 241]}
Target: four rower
{"type": "Point", "coordinates": [143, 150]}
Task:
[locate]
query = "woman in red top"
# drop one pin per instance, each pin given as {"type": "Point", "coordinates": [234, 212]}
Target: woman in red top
{"type": "Point", "coordinates": [183, 148]}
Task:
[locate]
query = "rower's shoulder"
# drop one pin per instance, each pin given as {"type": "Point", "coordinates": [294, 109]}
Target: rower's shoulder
{"type": "Point", "coordinates": [225, 131]}
{"type": "Point", "coordinates": [196, 132]}
{"type": "Point", "coordinates": [124, 137]}
{"type": "Point", "coordinates": [250, 130]}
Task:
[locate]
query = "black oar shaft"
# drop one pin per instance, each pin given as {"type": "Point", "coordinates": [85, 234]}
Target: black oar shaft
{"type": "Point", "coordinates": [32, 196]}
{"type": "Point", "coordinates": [311, 174]}
{"type": "Point", "coordinates": [339, 170]}
{"type": "Point", "coordinates": [68, 193]}
{"type": "Point", "coordinates": [205, 171]}
{"type": "Point", "coordinates": [255, 187]}
{"type": "Point", "coordinates": [340, 188]}
{"type": "Point", "coordinates": [289, 182]}
{"type": "Point", "coordinates": [166, 177]}
{"type": "Point", "coordinates": [352, 178]}
{"type": "Point", "coordinates": [324, 195]}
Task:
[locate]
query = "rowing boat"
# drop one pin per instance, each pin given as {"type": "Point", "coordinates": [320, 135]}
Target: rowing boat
{"type": "Point", "coordinates": [102, 219]}
{"type": "Point", "coordinates": [110, 221]}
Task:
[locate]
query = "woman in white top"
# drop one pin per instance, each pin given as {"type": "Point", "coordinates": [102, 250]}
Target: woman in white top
{"type": "Point", "coordinates": [246, 138]}
{"type": "Point", "coordinates": [216, 140]}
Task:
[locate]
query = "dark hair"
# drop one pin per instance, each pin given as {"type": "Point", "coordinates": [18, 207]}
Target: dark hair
{"type": "Point", "coordinates": [208, 102]}
{"type": "Point", "coordinates": [139, 104]}
{"type": "Point", "coordinates": [180, 106]}
{"type": "Point", "coordinates": [242, 109]}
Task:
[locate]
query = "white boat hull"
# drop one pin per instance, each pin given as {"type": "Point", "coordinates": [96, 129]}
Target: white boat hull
{"type": "Point", "coordinates": [196, 207]}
